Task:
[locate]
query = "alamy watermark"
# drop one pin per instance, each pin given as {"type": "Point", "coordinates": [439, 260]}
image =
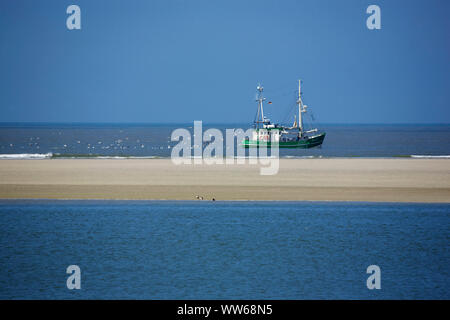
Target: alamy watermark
{"type": "Point", "coordinates": [208, 148]}
{"type": "Point", "coordinates": [74, 280]}
{"type": "Point", "coordinates": [74, 20]}
{"type": "Point", "coordinates": [374, 20]}
{"type": "Point", "coordinates": [374, 280]}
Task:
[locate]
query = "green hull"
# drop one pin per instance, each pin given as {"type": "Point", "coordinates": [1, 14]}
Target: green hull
{"type": "Point", "coordinates": [301, 143]}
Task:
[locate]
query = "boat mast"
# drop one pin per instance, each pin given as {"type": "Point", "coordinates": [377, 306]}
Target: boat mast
{"type": "Point", "coordinates": [300, 103]}
{"type": "Point", "coordinates": [260, 106]}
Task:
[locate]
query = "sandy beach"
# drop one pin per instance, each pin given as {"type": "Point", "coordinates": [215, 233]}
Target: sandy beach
{"type": "Point", "coordinates": [387, 180]}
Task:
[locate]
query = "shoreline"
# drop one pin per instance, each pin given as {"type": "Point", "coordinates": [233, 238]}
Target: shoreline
{"type": "Point", "coordinates": [51, 156]}
{"type": "Point", "coordinates": [143, 201]}
{"type": "Point", "coordinates": [406, 180]}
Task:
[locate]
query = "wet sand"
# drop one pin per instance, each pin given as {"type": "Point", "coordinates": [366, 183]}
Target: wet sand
{"type": "Point", "coordinates": [385, 180]}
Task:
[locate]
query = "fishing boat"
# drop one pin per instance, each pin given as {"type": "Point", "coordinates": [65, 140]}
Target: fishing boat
{"type": "Point", "coordinates": [268, 134]}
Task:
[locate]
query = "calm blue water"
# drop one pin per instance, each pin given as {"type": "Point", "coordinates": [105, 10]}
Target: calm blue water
{"type": "Point", "coordinates": [153, 140]}
{"type": "Point", "coordinates": [223, 250]}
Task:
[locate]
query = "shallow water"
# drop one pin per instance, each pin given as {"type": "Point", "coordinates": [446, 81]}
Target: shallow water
{"type": "Point", "coordinates": [223, 250]}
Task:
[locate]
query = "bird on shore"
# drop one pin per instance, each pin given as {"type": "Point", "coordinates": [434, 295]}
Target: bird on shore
{"type": "Point", "coordinates": [199, 197]}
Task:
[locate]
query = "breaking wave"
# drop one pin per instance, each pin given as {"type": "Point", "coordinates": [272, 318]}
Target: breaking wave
{"type": "Point", "coordinates": [430, 157]}
{"type": "Point", "coordinates": [26, 156]}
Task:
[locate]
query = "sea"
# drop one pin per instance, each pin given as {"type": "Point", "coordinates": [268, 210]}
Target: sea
{"type": "Point", "coordinates": [69, 140]}
{"type": "Point", "coordinates": [221, 249]}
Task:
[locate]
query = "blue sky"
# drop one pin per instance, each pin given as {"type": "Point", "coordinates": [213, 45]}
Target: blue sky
{"type": "Point", "coordinates": [185, 60]}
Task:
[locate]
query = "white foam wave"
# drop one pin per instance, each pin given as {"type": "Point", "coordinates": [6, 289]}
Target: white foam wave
{"type": "Point", "coordinates": [430, 157]}
{"type": "Point", "coordinates": [26, 156]}
{"type": "Point", "coordinates": [125, 157]}
{"type": "Point", "coordinates": [301, 157]}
